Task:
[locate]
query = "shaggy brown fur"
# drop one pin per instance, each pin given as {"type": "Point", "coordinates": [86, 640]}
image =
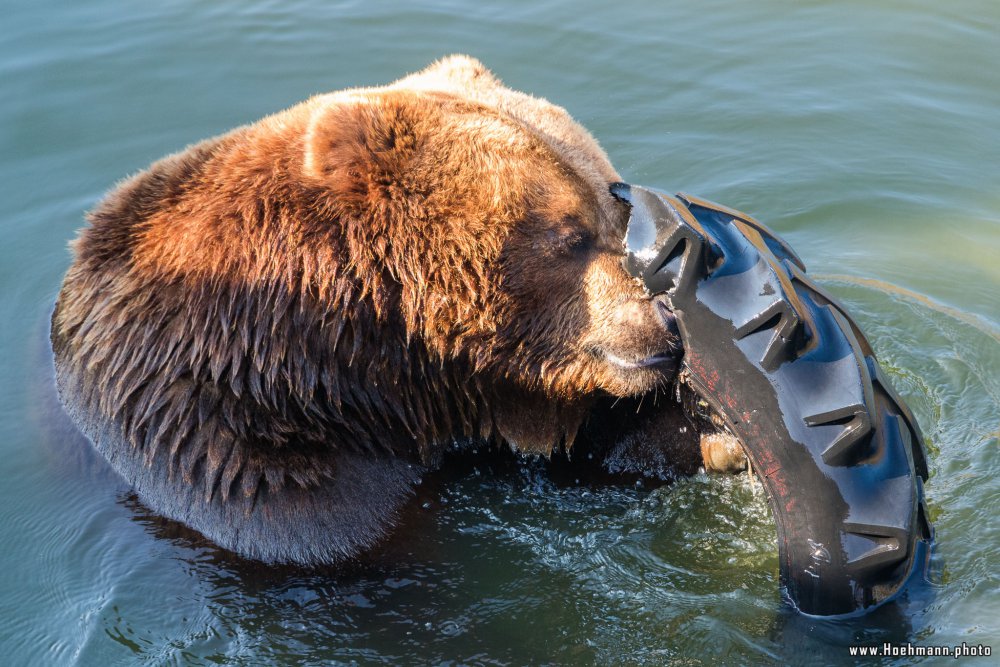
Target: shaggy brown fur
{"type": "Point", "coordinates": [272, 333]}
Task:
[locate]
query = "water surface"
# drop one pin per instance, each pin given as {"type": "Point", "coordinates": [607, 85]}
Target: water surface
{"type": "Point", "coordinates": [866, 133]}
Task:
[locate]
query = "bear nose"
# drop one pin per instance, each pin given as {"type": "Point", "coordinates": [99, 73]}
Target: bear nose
{"type": "Point", "coordinates": [644, 315]}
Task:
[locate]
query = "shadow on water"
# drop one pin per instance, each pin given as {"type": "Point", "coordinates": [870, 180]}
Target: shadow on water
{"type": "Point", "coordinates": [413, 599]}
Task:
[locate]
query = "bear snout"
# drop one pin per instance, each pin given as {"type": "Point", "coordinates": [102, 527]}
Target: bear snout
{"type": "Point", "coordinates": [643, 335]}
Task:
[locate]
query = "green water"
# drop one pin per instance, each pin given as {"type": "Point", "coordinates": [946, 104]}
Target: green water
{"type": "Point", "coordinates": [866, 133]}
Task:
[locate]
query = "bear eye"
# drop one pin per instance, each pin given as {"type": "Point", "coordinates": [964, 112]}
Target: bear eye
{"type": "Point", "coordinates": [576, 240]}
{"type": "Point", "coordinates": [570, 240]}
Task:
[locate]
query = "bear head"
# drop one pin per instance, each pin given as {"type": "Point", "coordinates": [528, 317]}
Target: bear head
{"type": "Point", "coordinates": [488, 212]}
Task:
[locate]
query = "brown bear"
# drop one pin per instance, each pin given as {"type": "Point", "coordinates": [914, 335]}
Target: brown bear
{"type": "Point", "coordinates": [272, 334]}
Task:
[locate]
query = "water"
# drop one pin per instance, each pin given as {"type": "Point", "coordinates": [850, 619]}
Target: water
{"type": "Point", "coordinates": [866, 133]}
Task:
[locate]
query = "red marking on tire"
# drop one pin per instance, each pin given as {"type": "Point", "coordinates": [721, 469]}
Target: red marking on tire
{"type": "Point", "coordinates": [781, 489]}
{"type": "Point", "coordinates": [712, 380]}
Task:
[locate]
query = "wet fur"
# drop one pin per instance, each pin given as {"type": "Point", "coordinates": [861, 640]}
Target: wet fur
{"type": "Point", "coordinates": [259, 338]}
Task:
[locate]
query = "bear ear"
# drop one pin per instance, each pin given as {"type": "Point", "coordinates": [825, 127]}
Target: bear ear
{"type": "Point", "coordinates": [457, 72]}
{"type": "Point", "coordinates": [459, 75]}
{"type": "Point", "coordinates": [360, 148]}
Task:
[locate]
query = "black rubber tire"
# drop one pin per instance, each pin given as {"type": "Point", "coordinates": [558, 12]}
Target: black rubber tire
{"type": "Point", "coordinates": [795, 380]}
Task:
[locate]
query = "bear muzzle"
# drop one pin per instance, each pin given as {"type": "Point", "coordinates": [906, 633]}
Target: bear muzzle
{"type": "Point", "coordinates": [646, 339]}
